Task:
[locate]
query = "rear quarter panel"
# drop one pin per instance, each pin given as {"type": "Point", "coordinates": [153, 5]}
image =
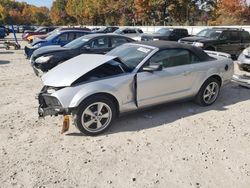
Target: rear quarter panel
{"type": "Point", "coordinates": [216, 67]}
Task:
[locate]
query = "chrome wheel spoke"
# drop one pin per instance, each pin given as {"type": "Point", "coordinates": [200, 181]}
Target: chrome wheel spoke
{"type": "Point", "coordinates": [99, 108]}
{"type": "Point", "coordinates": [209, 98]}
{"type": "Point", "coordinates": [90, 122]}
{"type": "Point", "coordinates": [206, 95]}
{"type": "Point", "coordinates": [210, 93]}
{"type": "Point", "coordinates": [98, 124]}
{"type": "Point", "coordinates": [212, 87]}
{"type": "Point", "coordinates": [208, 88]}
{"type": "Point", "coordinates": [106, 115]}
{"type": "Point", "coordinates": [90, 113]}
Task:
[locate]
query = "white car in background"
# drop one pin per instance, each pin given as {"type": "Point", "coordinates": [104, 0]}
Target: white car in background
{"type": "Point", "coordinates": [134, 33]}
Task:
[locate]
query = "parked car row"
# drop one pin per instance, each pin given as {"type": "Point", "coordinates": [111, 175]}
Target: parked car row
{"type": "Point", "coordinates": [45, 59]}
{"type": "Point", "coordinates": [20, 28]}
{"type": "Point", "coordinates": [60, 38]}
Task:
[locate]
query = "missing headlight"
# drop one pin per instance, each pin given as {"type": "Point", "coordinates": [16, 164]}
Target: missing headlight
{"type": "Point", "coordinates": [51, 101]}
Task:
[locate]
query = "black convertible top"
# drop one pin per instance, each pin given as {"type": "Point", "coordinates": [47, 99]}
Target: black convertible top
{"type": "Point", "coordinates": [163, 45]}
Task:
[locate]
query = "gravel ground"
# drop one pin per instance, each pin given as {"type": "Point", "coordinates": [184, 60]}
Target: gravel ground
{"type": "Point", "coordinates": [173, 145]}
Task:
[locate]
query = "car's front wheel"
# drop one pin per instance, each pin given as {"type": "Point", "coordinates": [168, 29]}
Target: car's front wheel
{"type": "Point", "coordinates": [95, 115]}
{"type": "Point", "coordinates": [209, 92]}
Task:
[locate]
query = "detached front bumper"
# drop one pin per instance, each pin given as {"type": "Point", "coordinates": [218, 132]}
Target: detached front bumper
{"type": "Point", "coordinates": [50, 105]}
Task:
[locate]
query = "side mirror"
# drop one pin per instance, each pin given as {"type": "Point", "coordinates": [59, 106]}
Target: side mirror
{"type": "Point", "coordinates": [86, 47]}
{"type": "Point", "coordinates": [152, 68]}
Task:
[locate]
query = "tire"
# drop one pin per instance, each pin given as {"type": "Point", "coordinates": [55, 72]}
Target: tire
{"type": "Point", "coordinates": [202, 98]}
{"type": "Point", "coordinates": [87, 119]}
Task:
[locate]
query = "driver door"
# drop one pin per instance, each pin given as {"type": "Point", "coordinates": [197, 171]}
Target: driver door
{"type": "Point", "coordinates": [174, 81]}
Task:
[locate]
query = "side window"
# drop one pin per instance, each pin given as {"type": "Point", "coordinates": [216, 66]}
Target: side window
{"type": "Point", "coordinates": [174, 57]}
{"type": "Point", "coordinates": [140, 31]}
{"type": "Point", "coordinates": [71, 36]}
{"type": "Point", "coordinates": [225, 36]}
{"type": "Point", "coordinates": [63, 37]}
{"type": "Point", "coordinates": [101, 42]}
{"type": "Point", "coordinates": [131, 31]}
{"type": "Point", "coordinates": [117, 41]}
{"type": "Point", "coordinates": [235, 36]}
{"type": "Point", "coordinates": [126, 31]}
{"type": "Point", "coordinates": [185, 32]}
{"type": "Point", "coordinates": [79, 34]}
{"type": "Point", "coordinates": [110, 29]}
{"type": "Point", "coordinates": [245, 36]}
{"type": "Point", "coordinates": [174, 33]}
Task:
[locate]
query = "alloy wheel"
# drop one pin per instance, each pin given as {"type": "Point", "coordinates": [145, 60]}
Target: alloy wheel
{"type": "Point", "coordinates": [211, 92]}
{"type": "Point", "coordinates": [96, 117]}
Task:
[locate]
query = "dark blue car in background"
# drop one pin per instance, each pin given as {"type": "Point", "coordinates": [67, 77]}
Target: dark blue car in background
{"type": "Point", "coordinates": [60, 38]}
{"type": "Point", "coordinates": [3, 32]}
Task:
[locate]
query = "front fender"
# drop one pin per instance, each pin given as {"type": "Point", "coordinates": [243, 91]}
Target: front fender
{"type": "Point", "coordinates": [89, 90]}
{"type": "Point", "coordinates": [71, 97]}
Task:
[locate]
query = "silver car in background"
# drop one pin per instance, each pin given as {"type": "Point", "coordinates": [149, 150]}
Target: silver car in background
{"type": "Point", "coordinates": [97, 88]}
{"type": "Point", "coordinates": [244, 60]}
{"type": "Point", "coordinates": [134, 33]}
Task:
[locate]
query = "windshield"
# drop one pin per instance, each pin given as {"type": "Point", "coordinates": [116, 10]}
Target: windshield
{"type": "Point", "coordinates": [38, 29]}
{"type": "Point", "coordinates": [102, 29]}
{"type": "Point", "coordinates": [77, 42]}
{"type": "Point", "coordinates": [118, 31]}
{"type": "Point", "coordinates": [130, 55]}
{"type": "Point", "coordinates": [209, 33]}
{"type": "Point", "coordinates": [164, 31]}
{"type": "Point", "coordinates": [52, 36]}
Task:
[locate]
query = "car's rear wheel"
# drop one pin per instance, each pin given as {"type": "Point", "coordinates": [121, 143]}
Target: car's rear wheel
{"type": "Point", "coordinates": [209, 92]}
{"type": "Point", "coordinates": [95, 115]}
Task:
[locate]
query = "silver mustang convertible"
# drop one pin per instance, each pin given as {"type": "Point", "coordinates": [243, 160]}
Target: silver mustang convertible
{"type": "Point", "coordinates": [97, 88]}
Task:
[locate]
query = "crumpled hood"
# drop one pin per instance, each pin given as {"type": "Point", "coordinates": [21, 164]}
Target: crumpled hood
{"type": "Point", "coordinates": [66, 73]}
{"type": "Point", "coordinates": [48, 49]}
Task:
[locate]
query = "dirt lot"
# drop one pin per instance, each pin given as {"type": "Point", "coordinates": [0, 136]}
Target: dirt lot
{"type": "Point", "coordinates": [174, 145]}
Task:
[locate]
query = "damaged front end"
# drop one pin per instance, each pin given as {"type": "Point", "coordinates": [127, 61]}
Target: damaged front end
{"type": "Point", "coordinates": [48, 104]}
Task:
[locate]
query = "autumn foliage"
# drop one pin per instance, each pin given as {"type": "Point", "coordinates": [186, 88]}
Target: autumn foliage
{"type": "Point", "coordinates": [127, 12]}
{"type": "Point", "coordinates": [12, 12]}
{"type": "Point", "coordinates": [231, 12]}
